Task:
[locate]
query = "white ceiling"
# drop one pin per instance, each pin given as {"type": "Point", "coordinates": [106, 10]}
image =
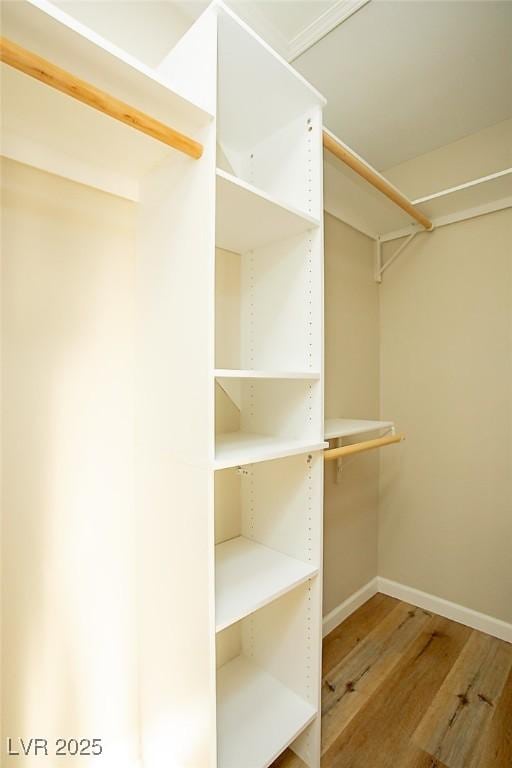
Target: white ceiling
{"type": "Point", "coordinates": [292, 16]}
{"type": "Point", "coordinates": [402, 77]}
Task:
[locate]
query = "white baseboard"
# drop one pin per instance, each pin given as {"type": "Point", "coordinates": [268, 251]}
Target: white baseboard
{"type": "Point", "coordinates": [351, 604]}
{"type": "Point", "coordinates": [453, 611]}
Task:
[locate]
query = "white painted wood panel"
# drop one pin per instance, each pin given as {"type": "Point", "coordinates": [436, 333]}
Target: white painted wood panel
{"type": "Point", "coordinates": [285, 408]}
{"type": "Point", "coordinates": [249, 575]}
{"type": "Point", "coordinates": [279, 503]}
{"type": "Point", "coordinates": [237, 448]}
{"type": "Point", "coordinates": [264, 114]}
{"type": "Point", "coordinates": [258, 91]}
{"type": "Point", "coordinates": [248, 218]}
{"type": "Point", "coordinates": [281, 305]}
{"type": "Point", "coordinates": [282, 639]}
{"type": "Point", "coordinates": [175, 446]}
{"type": "Point", "coordinates": [294, 175]}
{"type": "Point", "coordinates": [227, 309]}
{"type": "Point", "coordinates": [258, 717]}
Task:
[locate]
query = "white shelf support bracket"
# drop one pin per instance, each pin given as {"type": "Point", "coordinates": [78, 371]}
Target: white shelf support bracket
{"type": "Point", "coordinates": [339, 462]}
{"type": "Point", "coordinates": [378, 260]}
{"type": "Point", "coordinates": [381, 267]}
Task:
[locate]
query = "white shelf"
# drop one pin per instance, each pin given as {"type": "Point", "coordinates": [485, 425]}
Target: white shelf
{"type": "Point", "coordinates": [58, 134]}
{"type": "Point", "coordinates": [471, 195]}
{"type": "Point", "coordinates": [346, 427]}
{"type": "Point", "coordinates": [249, 575]}
{"type": "Point", "coordinates": [233, 449]}
{"type": "Point", "coordinates": [247, 218]}
{"type": "Point", "coordinates": [257, 716]}
{"type": "Point", "coordinates": [233, 373]}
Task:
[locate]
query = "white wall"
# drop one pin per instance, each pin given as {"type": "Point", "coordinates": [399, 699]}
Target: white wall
{"type": "Point", "coordinates": [68, 614]}
{"type": "Point", "coordinates": [472, 157]}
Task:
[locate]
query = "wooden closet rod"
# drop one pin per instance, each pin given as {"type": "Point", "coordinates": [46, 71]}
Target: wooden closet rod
{"type": "Point", "coordinates": [344, 154]}
{"type": "Point", "coordinates": [46, 72]}
{"type": "Point", "coordinates": [346, 450]}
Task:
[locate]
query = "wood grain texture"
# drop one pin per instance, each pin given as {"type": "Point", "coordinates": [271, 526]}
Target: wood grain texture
{"type": "Point", "coordinates": [462, 710]}
{"type": "Point", "coordinates": [413, 690]}
{"type": "Point", "coordinates": [342, 640]}
{"type": "Point", "coordinates": [55, 77]}
{"type": "Point", "coordinates": [348, 687]}
{"type": "Point", "coordinates": [496, 749]}
{"type": "Point", "coordinates": [394, 712]}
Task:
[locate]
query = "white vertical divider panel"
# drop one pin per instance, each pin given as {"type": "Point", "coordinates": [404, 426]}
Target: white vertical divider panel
{"type": "Point", "coordinates": [308, 744]}
{"type": "Point", "coordinates": [227, 309]}
{"type": "Point", "coordinates": [281, 174]}
{"type": "Point", "coordinates": [187, 67]}
{"type": "Point", "coordinates": [175, 448]}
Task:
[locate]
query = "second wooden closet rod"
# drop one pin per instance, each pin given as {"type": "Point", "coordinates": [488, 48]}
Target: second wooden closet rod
{"type": "Point", "coordinates": [46, 72]}
{"type": "Point", "coordinates": [343, 153]}
{"type": "Point", "coordinates": [346, 450]}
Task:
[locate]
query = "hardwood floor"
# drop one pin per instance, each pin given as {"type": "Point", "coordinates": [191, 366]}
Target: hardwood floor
{"type": "Point", "coordinates": [404, 688]}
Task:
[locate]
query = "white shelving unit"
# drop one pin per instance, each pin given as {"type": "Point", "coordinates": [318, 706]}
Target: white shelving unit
{"type": "Point", "coordinates": [268, 404]}
{"type": "Point", "coordinates": [267, 587]}
{"type": "Point", "coordinates": [228, 369]}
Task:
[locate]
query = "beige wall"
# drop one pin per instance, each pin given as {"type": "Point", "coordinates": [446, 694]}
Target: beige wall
{"type": "Point", "coordinates": [68, 609]}
{"type": "Point", "coordinates": [446, 494]}
{"type": "Point", "coordinates": [351, 391]}
{"type": "Point", "coordinates": [476, 155]}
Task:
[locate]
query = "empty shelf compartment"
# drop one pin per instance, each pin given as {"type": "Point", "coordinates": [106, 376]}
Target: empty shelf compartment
{"type": "Point", "coordinates": [249, 575]}
{"type": "Point", "coordinates": [247, 218]}
{"type": "Point", "coordinates": [257, 716]}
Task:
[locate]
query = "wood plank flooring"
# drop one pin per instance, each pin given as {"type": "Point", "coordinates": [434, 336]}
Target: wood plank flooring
{"type": "Point", "coordinates": [404, 688]}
